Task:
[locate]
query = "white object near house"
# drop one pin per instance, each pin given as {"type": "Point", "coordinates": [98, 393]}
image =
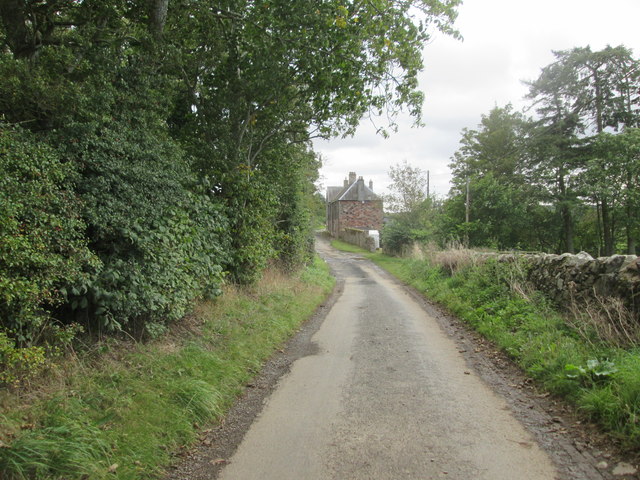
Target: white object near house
{"type": "Point", "coordinates": [375, 234]}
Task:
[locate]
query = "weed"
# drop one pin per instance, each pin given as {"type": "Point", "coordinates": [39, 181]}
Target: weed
{"type": "Point", "coordinates": [595, 371]}
{"type": "Point", "coordinates": [19, 364]}
{"type": "Point", "coordinates": [346, 247]}
{"type": "Point", "coordinates": [66, 450]}
{"type": "Point", "coordinates": [452, 261]}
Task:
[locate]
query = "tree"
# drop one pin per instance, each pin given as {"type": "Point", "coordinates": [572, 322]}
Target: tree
{"type": "Point", "coordinates": [613, 172]}
{"type": "Point", "coordinates": [580, 93]}
{"type": "Point", "coordinates": [574, 163]}
{"type": "Point", "coordinates": [495, 147]}
{"type": "Point", "coordinates": [491, 203]}
{"type": "Point", "coordinates": [191, 116]}
{"type": "Point", "coordinates": [266, 73]}
{"type": "Point", "coordinates": [413, 212]}
{"type": "Point", "coordinates": [408, 188]}
{"type": "Point", "coordinates": [552, 163]}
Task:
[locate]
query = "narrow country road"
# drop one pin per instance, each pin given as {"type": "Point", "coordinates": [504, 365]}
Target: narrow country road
{"type": "Point", "coordinates": [387, 395]}
{"type": "Point", "coordinates": [378, 388]}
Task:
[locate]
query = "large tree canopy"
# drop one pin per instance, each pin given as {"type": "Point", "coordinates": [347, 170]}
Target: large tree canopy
{"type": "Point", "coordinates": [186, 125]}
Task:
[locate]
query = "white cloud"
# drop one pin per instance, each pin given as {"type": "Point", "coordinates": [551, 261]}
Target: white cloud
{"type": "Point", "coordinates": [505, 42]}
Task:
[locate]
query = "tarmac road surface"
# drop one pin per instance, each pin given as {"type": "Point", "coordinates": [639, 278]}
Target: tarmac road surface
{"type": "Point", "coordinates": [386, 394]}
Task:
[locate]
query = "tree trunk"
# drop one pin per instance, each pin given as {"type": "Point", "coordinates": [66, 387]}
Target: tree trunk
{"type": "Point", "coordinates": [599, 228]}
{"type": "Point", "coordinates": [598, 92]}
{"type": "Point", "coordinates": [631, 244]}
{"type": "Point", "coordinates": [567, 229]}
{"type": "Point", "coordinates": [629, 227]}
{"type": "Point", "coordinates": [467, 210]}
{"type": "Point", "coordinates": [565, 214]}
{"type": "Point", "coordinates": [158, 16]}
{"type": "Point", "coordinates": [607, 228]}
{"type": "Point", "coordinates": [21, 40]}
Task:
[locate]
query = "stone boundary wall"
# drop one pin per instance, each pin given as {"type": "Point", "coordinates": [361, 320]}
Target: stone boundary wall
{"type": "Point", "coordinates": [358, 237]}
{"type": "Point", "coordinates": [580, 276]}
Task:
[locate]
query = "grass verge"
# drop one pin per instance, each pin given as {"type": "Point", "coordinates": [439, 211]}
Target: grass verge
{"type": "Point", "coordinates": [600, 379]}
{"type": "Point", "coordinates": [125, 411]}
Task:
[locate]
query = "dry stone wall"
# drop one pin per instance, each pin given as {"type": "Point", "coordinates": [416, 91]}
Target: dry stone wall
{"type": "Point", "coordinates": [567, 276]}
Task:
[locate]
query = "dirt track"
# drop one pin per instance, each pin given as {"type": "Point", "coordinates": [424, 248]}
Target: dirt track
{"type": "Point", "coordinates": [382, 386]}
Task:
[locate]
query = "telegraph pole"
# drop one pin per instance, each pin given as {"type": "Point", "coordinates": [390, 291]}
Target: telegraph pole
{"type": "Point", "coordinates": [467, 203]}
{"type": "Point", "coordinates": [466, 216]}
{"type": "Point", "coordinates": [427, 183]}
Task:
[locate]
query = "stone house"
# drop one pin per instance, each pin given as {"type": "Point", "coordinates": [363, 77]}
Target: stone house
{"type": "Point", "coordinates": [353, 205]}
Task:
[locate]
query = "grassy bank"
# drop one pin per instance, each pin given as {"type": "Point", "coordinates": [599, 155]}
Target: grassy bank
{"type": "Point", "coordinates": [123, 411]}
{"type": "Point", "coordinates": [563, 353]}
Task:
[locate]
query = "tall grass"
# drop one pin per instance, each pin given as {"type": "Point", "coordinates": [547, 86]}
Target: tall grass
{"type": "Point", "coordinates": [66, 450]}
{"type": "Point", "coordinates": [124, 413]}
{"type": "Point", "coordinates": [605, 319]}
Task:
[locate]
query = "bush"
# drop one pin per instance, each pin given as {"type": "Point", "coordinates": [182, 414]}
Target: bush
{"type": "Point", "coordinates": [251, 206]}
{"type": "Point", "coordinates": [18, 363]}
{"type": "Point", "coordinates": [42, 246]}
{"type": "Point", "coordinates": [396, 238]}
{"type": "Point", "coordinates": [160, 237]}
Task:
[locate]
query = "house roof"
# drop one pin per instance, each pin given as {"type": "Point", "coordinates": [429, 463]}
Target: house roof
{"type": "Point", "coordinates": [356, 191]}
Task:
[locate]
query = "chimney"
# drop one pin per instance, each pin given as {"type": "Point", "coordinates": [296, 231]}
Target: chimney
{"type": "Point", "coordinates": [352, 177]}
{"type": "Point", "coordinates": [346, 182]}
{"type": "Point", "coordinates": [371, 185]}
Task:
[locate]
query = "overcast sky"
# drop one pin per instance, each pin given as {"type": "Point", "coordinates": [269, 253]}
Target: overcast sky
{"type": "Point", "coordinates": [505, 42]}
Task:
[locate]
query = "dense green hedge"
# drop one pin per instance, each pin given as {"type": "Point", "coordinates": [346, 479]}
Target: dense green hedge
{"type": "Point", "coordinates": [42, 243]}
{"type": "Point", "coordinates": [110, 230]}
{"type": "Point", "coordinates": [160, 236]}
{"type": "Point", "coordinates": [42, 249]}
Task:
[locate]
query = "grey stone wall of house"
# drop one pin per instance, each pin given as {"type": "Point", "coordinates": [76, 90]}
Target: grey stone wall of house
{"type": "Point", "coordinates": [567, 276]}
